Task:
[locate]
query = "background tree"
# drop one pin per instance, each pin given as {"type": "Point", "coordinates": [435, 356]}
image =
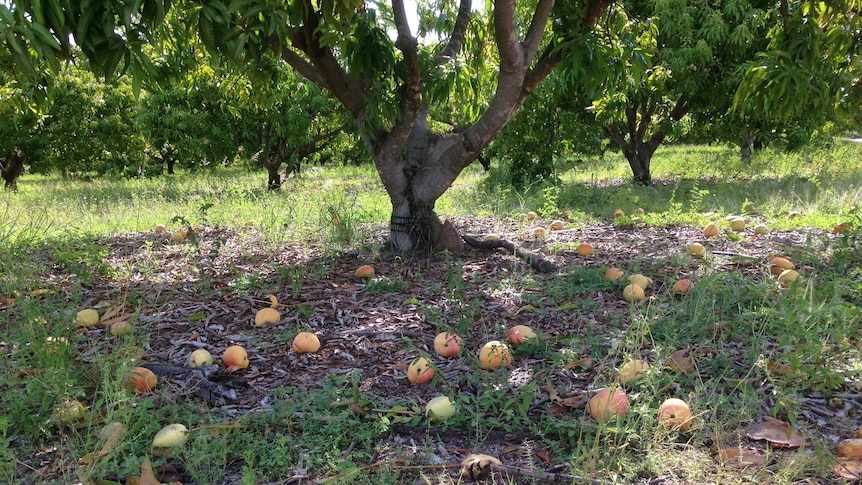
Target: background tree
{"type": "Point", "coordinates": [284, 119]}
{"type": "Point", "coordinates": [189, 124]}
{"type": "Point", "coordinates": [551, 127]}
{"type": "Point", "coordinates": [663, 60]}
{"type": "Point", "coordinates": [809, 76]}
{"type": "Point", "coordinates": [21, 118]}
{"type": "Point", "coordinates": [90, 126]}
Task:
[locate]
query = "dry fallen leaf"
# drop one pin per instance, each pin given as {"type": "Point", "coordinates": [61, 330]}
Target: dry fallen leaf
{"type": "Point", "coordinates": [681, 361]}
{"type": "Point", "coordinates": [741, 458]}
{"type": "Point", "coordinates": [147, 477]}
{"type": "Point", "coordinates": [849, 468]}
{"type": "Point", "coordinates": [778, 369]}
{"type": "Point", "coordinates": [777, 432]}
{"type": "Point", "coordinates": [568, 402]}
{"type": "Point", "coordinates": [582, 362]}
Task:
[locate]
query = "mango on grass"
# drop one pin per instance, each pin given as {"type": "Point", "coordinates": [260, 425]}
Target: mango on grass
{"type": "Point", "coordinates": [607, 404]}
{"type": "Point", "coordinates": [171, 436]}
{"type": "Point", "coordinates": [440, 408]}
{"type": "Point", "coordinates": [633, 293]}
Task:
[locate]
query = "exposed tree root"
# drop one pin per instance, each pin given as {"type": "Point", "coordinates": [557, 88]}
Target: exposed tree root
{"type": "Point", "coordinates": [535, 261]}
{"type": "Point", "coordinates": [201, 381]}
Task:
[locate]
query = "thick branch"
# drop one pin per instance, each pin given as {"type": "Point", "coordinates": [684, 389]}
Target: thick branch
{"type": "Point", "coordinates": [506, 36]}
{"type": "Point", "coordinates": [618, 138]}
{"type": "Point", "coordinates": [408, 45]}
{"type": "Point", "coordinates": [346, 88]}
{"type": "Point", "coordinates": [551, 58]}
{"type": "Point", "coordinates": [647, 108]}
{"type": "Point", "coordinates": [679, 110]}
{"type": "Point", "coordinates": [312, 146]}
{"type": "Point", "coordinates": [548, 61]}
{"type": "Point", "coordinates": [303, 67]}
{"type": "Point", "coordinates": [459, 33]}
{"type": "Point", "coordinates": [597, 9]}
{"type": "Point", "coordinates": [537, 28]}
{"type": "Point", "coordinates": [631, 122]}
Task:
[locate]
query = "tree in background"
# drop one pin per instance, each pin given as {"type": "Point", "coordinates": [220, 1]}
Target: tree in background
{"type": "Point", "coordinates": [809, 76]}
{"type": "Point", "coordinates": [90, 126]}
{"type": "Point", "coordinates": [21, 119]}
{"type": "Point", "coordinates": [661, 61]}
{"type": "Point", "coordinates": [189, 124]}
{"type": "Point", "coordinates": [283, 118]}
{"type": "Point", "coordinates": [550, 127]}
{"type": "Point", "coordinates": [425, 112]}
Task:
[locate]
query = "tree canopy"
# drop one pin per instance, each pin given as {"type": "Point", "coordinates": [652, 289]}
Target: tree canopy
{"type": "Point", "coordinates": [426, 110]}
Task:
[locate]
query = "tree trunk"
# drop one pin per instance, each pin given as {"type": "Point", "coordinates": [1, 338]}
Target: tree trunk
{"type": "Point", "coordinates": [414, 182]}
{"type": "Point", "coordinates": [416, 179]}
{"type": "Point", "coordinates": [12, 168]}
{"type": "Point", "coordinates": [635, 148]}
{"type": "Point", "coordinates": [273, 177]}
{"type": "Point", "coordinates": [639, 161]}
{"type": "Point", "coordinates": [745, 150]}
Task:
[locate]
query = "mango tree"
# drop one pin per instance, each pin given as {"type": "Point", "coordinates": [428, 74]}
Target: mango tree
{"type": "Point", "coordinates": [90, 126]}
{"type": "Point", "coordinates": [809, 76]}
{"type": "Point", "coordinates": [387, 83]}
{"type": "Point", "coordinates": [21, 118]}
{"type": "Point", "coordinates": [189, 125]}
{"type": "Point", "coordinates": [664, 60]}
{"type": "Point", "coordinates": [284, 119]}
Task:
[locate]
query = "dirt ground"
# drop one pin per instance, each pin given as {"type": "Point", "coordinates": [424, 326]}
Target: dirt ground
{"type": "Point", "coordinates": [212, 305]}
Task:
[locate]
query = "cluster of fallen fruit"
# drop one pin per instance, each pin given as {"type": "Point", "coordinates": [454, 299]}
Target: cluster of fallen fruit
{"type": "Point", "coordinates": [605, 405]}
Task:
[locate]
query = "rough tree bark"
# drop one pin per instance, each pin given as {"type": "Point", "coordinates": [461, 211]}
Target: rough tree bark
{"type": "Point", "coordinates": [11, 168]}
{"type": "Point", "coordinates": [416, 164]}
{"type": "Point", "coordinates": [638, 150]}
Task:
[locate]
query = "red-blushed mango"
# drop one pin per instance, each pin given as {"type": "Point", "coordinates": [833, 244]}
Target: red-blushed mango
{"type": "Point", "coordinates": [520, 334]}
{"type": "Point", "coordinates": [613, 274]}
{"type": "Point", "coordinates": [364, 271]}
{"type": "Point", "coordinates": [681, 287]}
{"type": "Point", "coordinates": [420, 371]}
{"type": "Point", "coordinates": [235, 357]}
{"type": "Point", "coordinates": [585, 249]}
{"type": "Point", "coordinates": [607, 404]}
{"type": "Point", "coordinates": [447, 344]}
{"type": "Point", "coordinates": [140, 380]}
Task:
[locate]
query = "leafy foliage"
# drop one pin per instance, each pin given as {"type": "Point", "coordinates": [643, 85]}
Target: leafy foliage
{"type": "Point", "coordinates": [90, 126]}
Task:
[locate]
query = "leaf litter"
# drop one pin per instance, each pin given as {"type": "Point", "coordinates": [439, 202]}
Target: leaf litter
{"type": "Point", "coordinates": [211, 303]}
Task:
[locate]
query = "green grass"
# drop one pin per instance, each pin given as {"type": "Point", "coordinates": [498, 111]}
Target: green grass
{"type": "Point", "coordinates": [88, 241]}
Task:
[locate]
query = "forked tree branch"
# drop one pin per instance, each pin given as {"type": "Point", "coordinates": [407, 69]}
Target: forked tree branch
{"type": "Point", "coordinates": [348, 89]}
